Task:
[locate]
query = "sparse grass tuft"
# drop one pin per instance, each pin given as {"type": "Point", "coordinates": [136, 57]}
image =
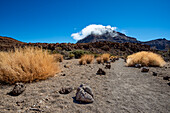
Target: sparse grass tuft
{"type": "Point", "coordinates": [86, 59]}
{"type": "Point", "coordinates": [146, 59]}
{"type": "Point", "coordinates": [82, 62]}
{"type": "Point", "coordinates": [99, 60]}
{"type": "Point", "coordinates": [26, 65]}
{"type": "Point", "coordinates": [105, 57]}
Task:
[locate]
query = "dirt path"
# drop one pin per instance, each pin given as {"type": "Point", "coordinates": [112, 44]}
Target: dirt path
{"type": "Point", "coordinates": [133, 91]}
{"type": "Point", "coordinates": [122, 89]}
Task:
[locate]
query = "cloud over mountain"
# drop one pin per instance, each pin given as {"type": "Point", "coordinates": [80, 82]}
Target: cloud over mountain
{"type": "Point", "coordinates": [93, 29]}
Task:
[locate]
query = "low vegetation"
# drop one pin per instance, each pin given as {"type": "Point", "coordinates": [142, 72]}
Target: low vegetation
{"type": "Point", "coordinates": [86, 59]}
{"type": "Point", "coordinates": [146, 59]}
{"type": "Point", "coordinates": [105, 57]}
{"type": "Point", "coordinates": [26, 65]}
{"type": "Point", "coordinates": [79, 53]}
{"type": "Point", "coordinates": [99, 60]}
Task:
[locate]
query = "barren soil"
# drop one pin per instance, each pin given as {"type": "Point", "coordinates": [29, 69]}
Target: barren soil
{"type": "Point", "coordinates": [123, 89]}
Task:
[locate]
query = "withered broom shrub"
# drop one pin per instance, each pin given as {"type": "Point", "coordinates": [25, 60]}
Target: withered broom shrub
{"type": "Point", "coordinates": [146, 59]}
{"type": "Point", "coordinates": [27, 65]}
{"type": "Point", "coordinates": [105, 57]}
{"type": "Point", "coordinates": [99, 60]}
{"type": "Point", "coordinates": [86, 59]}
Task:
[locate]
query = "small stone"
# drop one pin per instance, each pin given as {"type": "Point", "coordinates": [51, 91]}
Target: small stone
{"type": "Point", "coordinates": [155, 74]}
{"type": "Point", "coordinates": [87, 89]}
{"type": "Point", "coordinates": [108, 66]}
{"type": "Point", "coordinates": [166, 78]}
{"type": "Point", "coordinates": [138, 65]}
{"type": "Point", "coordinates": [101, 72]}
{"type": "Point", "coordinates": [168, 83]}
{"type": "Point", "coordinates": [63, 74]}
{"type": "Point", "coordinates": [66, 90]}
{"type": "Point", "coordinates": [66, 66]}
{"type": "Point", "coordinates": [18, 89]}
{"type": "Point", "coordinates": [84, 94]}
{"type": "Point", "coordinates": [145, 69]}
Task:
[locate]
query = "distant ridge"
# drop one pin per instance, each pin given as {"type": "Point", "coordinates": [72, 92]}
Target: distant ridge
{"type": "Point", "coordinates": [160, 44]}
{"type": "Point", "coordinates": [7, 43]}
{"type": "Point", "coordinates": [9, 40]}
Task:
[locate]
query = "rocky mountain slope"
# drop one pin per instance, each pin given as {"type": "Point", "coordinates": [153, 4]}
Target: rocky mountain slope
{"type": "Point", "coordinates": [111, 37]}
{"type": "Point", "coordinates": [7, 43]}
{"type": "Point", "coordinates": [160, 44]}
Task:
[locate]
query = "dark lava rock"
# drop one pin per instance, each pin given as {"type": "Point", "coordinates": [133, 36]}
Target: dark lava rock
{"type": "Point", "coordinates": [66, 90]}
{"type": "Point", "coordinates": [66, 66]}
{"type": "Point", "coordinates": [166, 78]}
{"type": "Point", "coordinates": [155, 74]}
{"type": "Point", "coordinates": [108, 66]}
{"type": "Point", "coordinates": [145, 69]}
{"type": "Point", "coordinates": [63, 74]}
{"type": "Point", "coordinates": [18, 89]}
{"type": "Point", "coordinates": [112, 60]}
{"type": "Point", "coordinates": [168, 83]}
{"type": "Point", "coordinates": [84, 94]}
{"type": "Point", "coordinates": [138, 65]}
{"type": "Point", "coordinates": [101, 72]}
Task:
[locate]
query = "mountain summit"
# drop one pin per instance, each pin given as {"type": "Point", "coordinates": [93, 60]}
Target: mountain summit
{"type": "Point", "coordinates": [109, 36]}
{"type": "Point", "coordinates": [160, 44]}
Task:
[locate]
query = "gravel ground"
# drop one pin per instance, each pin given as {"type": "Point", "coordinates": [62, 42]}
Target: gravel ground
{"type": "Point", "coordinates": [122, 89]}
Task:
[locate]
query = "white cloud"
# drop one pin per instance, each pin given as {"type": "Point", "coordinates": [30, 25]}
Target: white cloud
{"type": "Point", "coordinates": [92, 29]}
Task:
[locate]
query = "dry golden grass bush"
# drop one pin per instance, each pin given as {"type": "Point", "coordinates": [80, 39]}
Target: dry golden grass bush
{"type": "Point", "coordinates": [82, 62]}
{"type": "Point", "coordinates": [114, 57]}
{"type": "Point", "coordinates": [99, 60]}
{"type": "Point", "coordinates": [58, 57]}
{"type": "Point", "coordinates": [27, 65]}
{"type": "Point", "coordinates": [86, 59]}
{"type": "Point", "coordinates": [146, 59]}
{"type": "Point", "coordinates": [105, 57]}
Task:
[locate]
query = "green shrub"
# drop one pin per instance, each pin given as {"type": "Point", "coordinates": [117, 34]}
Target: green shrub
{"type": "Point", "coordinates": [97, 55]}
{"type": "Point", "coordinates": [79, 53]}
{"type": "Point", "coordinates": [71, 55]}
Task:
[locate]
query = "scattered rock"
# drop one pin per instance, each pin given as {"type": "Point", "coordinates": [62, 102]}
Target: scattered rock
{"type": "Point", "coordinates": [155, 74]}
{"type": "Point", "coordinates": [66, 90]}
{"type": "Point", "coordinates": [108, 66]}
{"type": "Point", "coordinates": [168, 83]}
{"type": "Point", "coordinates": [166, 78]}
{"type": "Point", "coordinates": [63, 74]}
{"type": "Point", "coordinates": [66, 66]}
{"type": "Point", "coordinates": [101, 72]}
{"type": "Point", "coordinates": [108, 62]}
{"type": "Point", "coordinates": [84, 94]}
{"type": "Point", "coordinates": [138, 65]}
{"type": "Point", "coordinates": [19, 103]}
{"type": "Point", "coordinates": [18, 89]}
{"type": "Point", "coordinates": [145, 69]}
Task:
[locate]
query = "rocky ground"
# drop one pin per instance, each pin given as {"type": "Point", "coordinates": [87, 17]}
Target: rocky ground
{"type": "Point", "coordinates": [122, 89]}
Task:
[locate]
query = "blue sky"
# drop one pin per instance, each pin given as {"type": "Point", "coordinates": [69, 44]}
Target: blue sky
{"type": "Point", "coordinates": [54, 21]}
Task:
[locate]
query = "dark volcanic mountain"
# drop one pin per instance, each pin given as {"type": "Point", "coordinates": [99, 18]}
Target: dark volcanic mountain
{"type": "Point", "coordinates": [7, 43]}
{"type": "Point", "coordinates": [160, 44]}
{"type": "Point", "coordinates": [111, 37]}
